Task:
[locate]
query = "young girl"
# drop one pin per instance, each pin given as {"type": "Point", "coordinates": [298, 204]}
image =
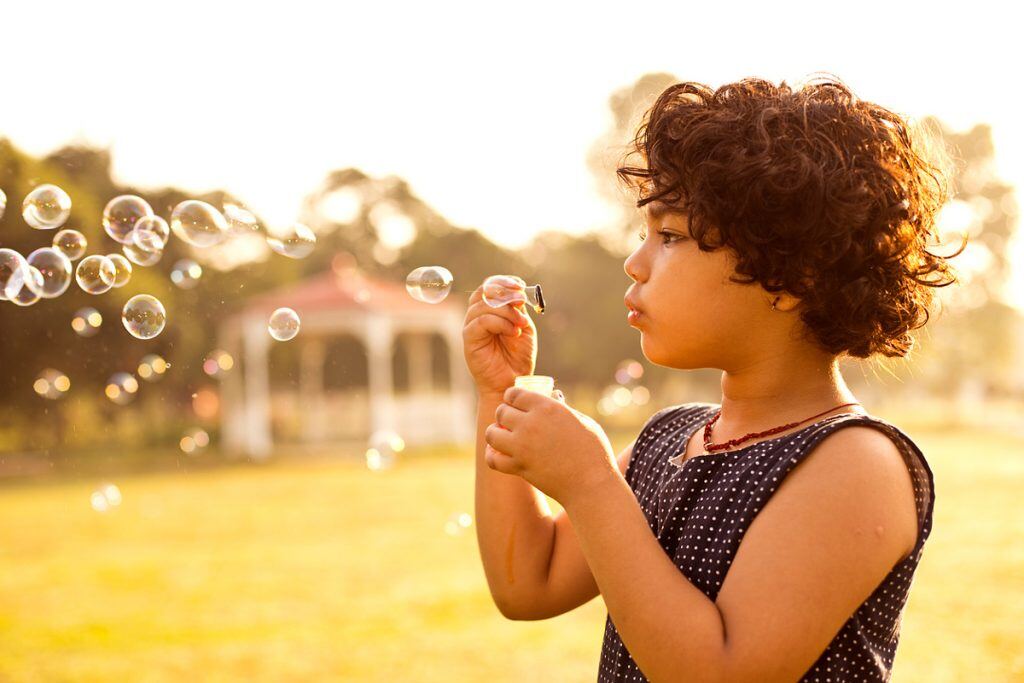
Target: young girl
{"type": "Point", "coordinates": [772, 536]}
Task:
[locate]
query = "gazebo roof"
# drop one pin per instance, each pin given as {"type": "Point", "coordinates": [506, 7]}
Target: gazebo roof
{"type": "Point", "coordinates": [342, 289]}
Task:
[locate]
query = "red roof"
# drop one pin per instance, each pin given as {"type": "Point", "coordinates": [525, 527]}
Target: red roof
{"type": "Point", "coordinates": [345, 289]}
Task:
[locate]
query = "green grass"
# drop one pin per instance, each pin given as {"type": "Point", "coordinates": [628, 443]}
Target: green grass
{"type": "Point", "coordinates": [323, 570]}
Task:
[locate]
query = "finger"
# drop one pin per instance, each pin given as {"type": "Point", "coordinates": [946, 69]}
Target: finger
{"type": "Point", "coordinates": [487, 326]}
{"type": "Point", "coordinates": [500, 462]}
{"type": "Point", "coordinates": [515, 314]}
{"type": "Point", "coordinates": [507, 416]}
{"type": "Point", "coordinates": [499, 439]}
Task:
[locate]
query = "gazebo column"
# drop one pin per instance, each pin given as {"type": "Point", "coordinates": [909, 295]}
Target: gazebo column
{"type": "Point", "coordinates": [258, 442]}
{"type": "Point", "coordinates": [462, 394]}
{"type": "Point", "coordinates": [379, 348]}
{"type": "Point", "coordinates": [311, 388]}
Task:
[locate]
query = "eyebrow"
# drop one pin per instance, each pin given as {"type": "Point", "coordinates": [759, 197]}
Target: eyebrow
{"type": "Point", "coordinates": [657, 209]}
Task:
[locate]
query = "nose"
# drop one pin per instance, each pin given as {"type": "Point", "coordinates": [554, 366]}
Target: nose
{"type": "Point", "coordinates": [632, 265]}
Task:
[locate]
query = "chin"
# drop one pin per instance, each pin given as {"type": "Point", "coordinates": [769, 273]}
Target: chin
{"type": "Point", "coordinates": [675, 358]}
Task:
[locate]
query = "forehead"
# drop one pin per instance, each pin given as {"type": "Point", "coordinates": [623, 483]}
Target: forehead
{"type": "Point", "coordinates": [658, 209]}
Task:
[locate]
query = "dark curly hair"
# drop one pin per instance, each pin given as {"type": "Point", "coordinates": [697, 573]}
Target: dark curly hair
{"type": "Point", "coordinates": [818, 193]}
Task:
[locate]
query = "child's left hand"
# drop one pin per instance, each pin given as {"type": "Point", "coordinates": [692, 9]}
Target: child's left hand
{"type": "Point", "coordinates": [559, 450]}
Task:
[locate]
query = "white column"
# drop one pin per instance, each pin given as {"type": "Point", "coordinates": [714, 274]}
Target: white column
{"type": "Point", "coordinates": [258, 440]}
{"type": "Point", "coordinates": [379, 347]}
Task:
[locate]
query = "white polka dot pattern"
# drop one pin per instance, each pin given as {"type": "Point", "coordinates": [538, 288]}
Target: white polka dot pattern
{"type": "Point", "coordinates": [700, 509]}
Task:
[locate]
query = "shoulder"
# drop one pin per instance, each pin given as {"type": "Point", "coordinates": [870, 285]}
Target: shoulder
{"type": "Point", "coordinates": [862, 460]}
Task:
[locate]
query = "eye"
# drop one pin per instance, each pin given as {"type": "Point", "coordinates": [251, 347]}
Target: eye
{"type": "Point", "coordinates": [669, 237]}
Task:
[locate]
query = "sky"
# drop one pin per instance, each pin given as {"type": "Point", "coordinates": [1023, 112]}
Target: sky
{"type": "Point", "coordinates": [487, 113]}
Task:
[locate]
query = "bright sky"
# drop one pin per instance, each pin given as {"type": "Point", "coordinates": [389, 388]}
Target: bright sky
{"type": "Point", "coordinates": [487, 113]}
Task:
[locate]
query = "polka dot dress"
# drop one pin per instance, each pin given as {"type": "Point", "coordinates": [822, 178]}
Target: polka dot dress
{"type": "Point", "coordinates": [700, 509]}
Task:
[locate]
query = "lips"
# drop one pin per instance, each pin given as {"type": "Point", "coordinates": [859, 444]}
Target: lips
{"type": "Point", "coordinates": [635, 314]}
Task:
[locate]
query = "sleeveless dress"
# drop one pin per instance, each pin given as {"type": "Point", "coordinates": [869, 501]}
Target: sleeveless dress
{"type": "Point", "coordinates": [699, 511]}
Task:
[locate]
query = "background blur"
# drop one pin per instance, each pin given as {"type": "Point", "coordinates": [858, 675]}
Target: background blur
{"type": "Point", "coordinates": [407, 136]}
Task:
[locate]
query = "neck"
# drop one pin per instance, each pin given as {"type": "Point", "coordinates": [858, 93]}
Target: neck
{"type": "Point", "coordinates": [774, 391]}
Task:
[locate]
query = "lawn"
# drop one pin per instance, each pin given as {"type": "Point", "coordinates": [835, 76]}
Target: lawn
{"type": "Point", "coordinates": [320, 569]}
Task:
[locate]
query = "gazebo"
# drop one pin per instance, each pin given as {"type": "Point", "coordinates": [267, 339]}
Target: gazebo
{"type": "Point", "coordinates": [359, 329]}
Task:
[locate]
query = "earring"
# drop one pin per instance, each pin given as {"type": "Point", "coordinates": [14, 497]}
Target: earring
{"type": "Point", "coordinates": [775, 302]}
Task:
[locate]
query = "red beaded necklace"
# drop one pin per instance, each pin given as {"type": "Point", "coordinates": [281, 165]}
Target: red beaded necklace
{"type": "Point", "coordinates": [709, 447]}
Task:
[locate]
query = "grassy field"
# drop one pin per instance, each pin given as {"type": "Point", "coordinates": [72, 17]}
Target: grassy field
{"type": "Point", "coordinates": [320, 569]}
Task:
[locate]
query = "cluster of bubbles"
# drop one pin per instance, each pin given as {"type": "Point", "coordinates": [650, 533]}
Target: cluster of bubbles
{"type": "Point", "coordinates": [383, 450]}
{"type": "Point", "coordinates": [105, 497]}
{"type": "Point", "coordinates": [627, 390]}
{"type": "Point", "coordinates": [432, 284]}
{"type": "Point", "coordinates": [51, 384]}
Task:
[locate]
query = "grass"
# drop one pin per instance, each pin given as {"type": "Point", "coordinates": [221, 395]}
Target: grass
{"type": "Point", "coordinates": [319, 569]}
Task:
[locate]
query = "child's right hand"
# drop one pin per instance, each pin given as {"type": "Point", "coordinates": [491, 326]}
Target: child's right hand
{"type": "Point", "coordinates": [499, 344]}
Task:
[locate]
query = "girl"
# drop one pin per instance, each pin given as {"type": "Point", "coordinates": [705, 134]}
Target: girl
{"type": "Point", "coordinates": [772, 536]}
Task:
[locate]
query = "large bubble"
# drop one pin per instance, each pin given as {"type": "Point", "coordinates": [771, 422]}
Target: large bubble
{"type": "Point", "coordinates": [122, 269]}
{"type": "Point", "coordinates": [86, 322]}
{"type": "Point", "coordinates": [71, 243]}
{"type": "Point", "coordinates": [13, 270]}
{"type": "Point", "coordinates": [151, 233]}
{"type": "Point", "coordinates": [241, 221]}
{"type": "Point", "coordinates": [55, 268]}
{"type": "Point", "coordinates": [96, 274]}
{"type": "Point", "coordinates": [198, 223]}
{"type": "Point", "coordinates": [29, 294]}
{"type": "Point", "coordinates": [185, 273]}
{"type": "Point", "coordinates": [144, 316]}
{"type": "Point", "coordinates": [430, 284]}
{"type": "Point", "coordinates": [47, 207]}
{"type": "Point", "coordinates": [121, 388]}
{"type": "Point", "coordinates": [122, 213]}
{"type": "Point", "coordinates": [297, 241]}
{"type": "Point", "coordinates": [283, 324]}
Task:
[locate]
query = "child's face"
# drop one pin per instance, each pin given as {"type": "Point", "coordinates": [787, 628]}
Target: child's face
{"type": "Point", "coordinates": [691, 315]}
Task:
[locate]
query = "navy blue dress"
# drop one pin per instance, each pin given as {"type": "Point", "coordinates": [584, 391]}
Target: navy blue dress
{"type": "Point", "coordinates": [700, 509]}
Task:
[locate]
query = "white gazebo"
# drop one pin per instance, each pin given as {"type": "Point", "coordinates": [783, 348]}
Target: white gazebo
{"type": "Point", "coordinates": [375, 314]}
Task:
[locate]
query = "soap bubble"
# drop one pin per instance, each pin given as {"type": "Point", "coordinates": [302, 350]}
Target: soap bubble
{"type": "Point", "coordinates": [240, 220]}
{"type": "Point", "coordinates": [430, 284]}
{"type": "Point", "coordinates": [152, 367]}
{"type": "Point", "coordinates": [71, 243]}
{"type": "Point", "coordinates": [86, 322]}
{"type": "Point", "coordinates": [297, 241]}
{"type": "Point", "coordinates": [3, 203]}
{"type": "Point", "coordinates": [194, 441]}
{"type": "Point", "coordinates": [144, 316]}
{"type": "Point", "coordinates": [383, 449]}
{"type": "Point", "coordinates": [122, 213]}
{"type": "Point", "coordinates": [122, 270]}
{"type": "Point", "coordinates": [46, 207]}
{"type": "Point", "coordinates": [51, 384]}
{"type": "Point", "coordinates": [502, 290]}
{"type": "Point", "coordinates": [629, 371]}
{"type": "Point", "coordinates": [217, 363]}
{"type": "Point", "coordinates": [121, 388]}
{"type": "Point", "coordinates": [198, 223]}
{"type": "Point", "coordinates": [95, 274]}
{"type": "Point", "coordinates": [55, 268]}
{"type": "Point", "coordinates": [13, 270]}
{"type": "Point", "coordinates": [186, 273]}
{"type": "Point", "coordinates": [283, 324]}
{"type": "Point", "coordinates": [151, 233]}
{"type": "Point", "coordinates": [29, 294]}
{"type": "Point", "coordinates": [141, 257]}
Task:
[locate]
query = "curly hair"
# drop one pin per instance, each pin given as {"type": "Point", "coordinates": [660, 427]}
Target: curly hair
{"type": "Point", "coordinates": [818, 193]}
